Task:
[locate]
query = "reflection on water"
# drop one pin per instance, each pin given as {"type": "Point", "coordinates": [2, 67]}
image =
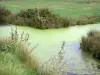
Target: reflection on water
{"type": "Point", "coordinates": [49, 43]}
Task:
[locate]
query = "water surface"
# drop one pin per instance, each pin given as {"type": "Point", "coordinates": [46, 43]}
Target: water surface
{"type": "Point", "coordinates": [49, 43]}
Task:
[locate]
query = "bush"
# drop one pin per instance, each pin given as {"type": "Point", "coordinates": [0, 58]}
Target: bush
{"type": "Point", "coordinates": [83, 20]}
{"type": "Point", "coordinates": [39, 18]}
{"type": "Point", "coordinates": [91, 43]}
{"type": "Point", "coordinates": [43, 18]}
{"type": "Point", "coordinates": [4, 13]}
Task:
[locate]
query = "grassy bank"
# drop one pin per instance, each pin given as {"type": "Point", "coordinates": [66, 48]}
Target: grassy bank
{"type": "Point", "coordinates": [16, 58]}
{"type": "Point", "coordinates": [4, 13]}
{"type": "Point", "coordinates": [91, 43]}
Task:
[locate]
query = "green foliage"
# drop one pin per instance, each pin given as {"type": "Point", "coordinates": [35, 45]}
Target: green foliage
{"type": "Point", "coordinates": [4, 13]}
{"type": "Point", "coordinates": [29, 13]}
{"type": "Point", "coordinates": [7, 46]}
{"type": "Point", "coordinates": [11, 65]}
{"type": "Point", "coordinates": [41, 18]}
{"type": "Point", "coordinates": [91, 43]}
{"type": "Point", "coordinates": [92, 33]}
{"type": "Point", "coordinates": [14, 57]}
{"type": "Point", "coordinates": [18, 46]}
{"type": "Point", "coordinates": [83, 20]}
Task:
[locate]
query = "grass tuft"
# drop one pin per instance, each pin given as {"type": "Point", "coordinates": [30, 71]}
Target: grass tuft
{"type": "Point", "coordinates": [91, 43]}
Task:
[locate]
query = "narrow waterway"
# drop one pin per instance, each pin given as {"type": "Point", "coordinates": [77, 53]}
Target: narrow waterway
{"type": "Point", "coordinates": [50, 41]}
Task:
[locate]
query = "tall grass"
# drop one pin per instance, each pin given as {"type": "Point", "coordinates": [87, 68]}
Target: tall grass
{"type": "Point", "coordinates": [19, 47]}
{"type": "Point", "coordinates": [91, 43]}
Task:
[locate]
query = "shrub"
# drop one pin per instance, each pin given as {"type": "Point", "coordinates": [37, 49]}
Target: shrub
{"type": "Point", "coordinates": [91, 43]}
{"type": "Point", "coordinates": [83, 20]}
{"type": "Point", "coordinates": [4, 13]}
{"type": "Point", "coordinates": [43, 18]}
{"type": "Point", "coordinates": [29, 13]}
{"type": "Point", "coordinates": [39, 18]}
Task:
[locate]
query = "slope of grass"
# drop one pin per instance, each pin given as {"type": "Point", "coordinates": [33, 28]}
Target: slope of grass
{"type": "Point", "coordinates": [11, 65]}
{"type": "Point", "coordinates": [13, 60]}
{"type": "Point", "coordinates": [15, 56]}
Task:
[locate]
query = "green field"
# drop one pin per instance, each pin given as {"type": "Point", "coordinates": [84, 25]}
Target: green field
{"type": "Point", "coordinates": [60, 7]}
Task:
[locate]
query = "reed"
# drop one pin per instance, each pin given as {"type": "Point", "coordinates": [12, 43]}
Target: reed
{"type": "Point", "coordinates": [91, 43]}
{"type": "Point", "coordinates": [19, 47]}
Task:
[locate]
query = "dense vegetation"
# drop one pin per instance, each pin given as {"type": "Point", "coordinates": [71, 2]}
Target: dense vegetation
{"type": "Point", "coordinates": [4, 13]}
{"type": "Point", "coordinates": [16, 57]}
{"type": "Point", "coordinates": [38, 18]}
{"type": "Point", "coordinates": [43, 18]}
{"type": "Point", "coordinates": [91, 43]}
